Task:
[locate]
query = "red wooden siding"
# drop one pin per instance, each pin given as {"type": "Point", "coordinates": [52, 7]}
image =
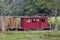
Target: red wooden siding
{"type": "Point", "coordinates": [34, 23]}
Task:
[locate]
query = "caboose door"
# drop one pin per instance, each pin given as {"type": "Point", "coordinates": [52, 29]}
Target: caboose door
{"type": "Point", "coordinates": [44, 23]}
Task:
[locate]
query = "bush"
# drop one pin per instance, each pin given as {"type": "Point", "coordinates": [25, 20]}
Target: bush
{"type": "Point", "coordinates": [52, 22]}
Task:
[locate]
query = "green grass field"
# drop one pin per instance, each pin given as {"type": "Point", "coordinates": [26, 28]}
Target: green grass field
{"type": "Point", "coordinates": [30, 35]}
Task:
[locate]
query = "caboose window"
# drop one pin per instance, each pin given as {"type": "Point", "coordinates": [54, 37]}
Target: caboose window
{"type": "Point", "coordinates": [42, 20]}
{"type": "Point", "coordinates": [37, 19]}
{"type": "Point", "coordinates": [33, 20]}
{"type": "Point", "coordinates": [28, 21]}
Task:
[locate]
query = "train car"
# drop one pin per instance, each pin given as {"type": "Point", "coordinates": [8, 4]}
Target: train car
{"type": "Point", "coordinates": [12, 23]}
{"type": "Point", "coordinates": [34, 23]}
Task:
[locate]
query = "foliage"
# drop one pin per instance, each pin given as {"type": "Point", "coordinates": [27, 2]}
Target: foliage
{"type": "Point", "coordinates": [27, 7]}
{"type": "Point", "coordinates": [52, 22]}
{"type": "Point", "coordinates": [4, 7]}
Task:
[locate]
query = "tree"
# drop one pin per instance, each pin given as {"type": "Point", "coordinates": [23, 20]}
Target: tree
{"type": "Point", "coordinates": [55, 11]}
{"type": "Point", "coordinates": [4, 7]}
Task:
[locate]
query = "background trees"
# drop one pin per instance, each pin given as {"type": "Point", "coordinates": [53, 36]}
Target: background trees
{"type": "Point", "coordinates": [27, 7]}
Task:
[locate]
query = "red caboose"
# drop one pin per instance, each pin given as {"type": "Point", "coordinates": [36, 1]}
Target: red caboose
{"type": "Point", "coordinates": [34, 23]}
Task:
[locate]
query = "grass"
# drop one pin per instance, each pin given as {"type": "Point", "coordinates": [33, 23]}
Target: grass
{"type": "Point", "coordinates": [29, 36]}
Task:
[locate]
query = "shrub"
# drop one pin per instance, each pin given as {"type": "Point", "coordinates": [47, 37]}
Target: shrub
{"type": "Point", "coordinates": [52, 22]}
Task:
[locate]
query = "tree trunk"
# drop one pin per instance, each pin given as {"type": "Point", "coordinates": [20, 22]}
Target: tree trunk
{"type": "Point", "coordinates": [2, 24]}
{"type": "Point", "coordinates": [55, 12]}
{"type": "Point", "coordinates": [56, 27]}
